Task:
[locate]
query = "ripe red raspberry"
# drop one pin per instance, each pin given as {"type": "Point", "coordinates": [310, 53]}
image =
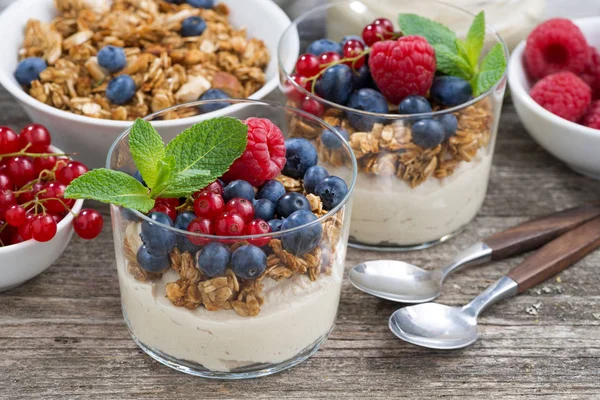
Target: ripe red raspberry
{"type": "Point", "coordinates": [591, 75]}
{"type": "Point", "coordinates": [264, 156]}
{"type": "Point", "coordinates": [563, 94]}
{"type": "Point", "coordinates": [402, 67]}
{"type": "Point", "coordinates": [592, 117]}
{"type": "Point", "coordinates": [554, 46]}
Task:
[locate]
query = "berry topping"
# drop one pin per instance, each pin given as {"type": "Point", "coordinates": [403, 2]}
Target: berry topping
{"type": "Point", "coordinates": [88, 224]}
{"type": "Point", "coordinates": [307, 65]}
{"type": "Point", "coordinates": [165, 209]}
{"type": "Point", "coordinates": [238, 188]}
{"type": "Point", "coordinates": [313, 176]}
{"type": "Point", "coordinates": [120, 89]}
{"type": "Point", "coordinates": [428, 133]}
{"type": "Point", "coordinates": [43, 164]}
{"type": "Point", "coordinates": [272, 190]}
{"type": "Point", "coordinates": [192, 26]}
{"type": "Point", "coordinates": [215, 188]}
{"type": "Point", "coordinates": [332, 191]}
{"type": "Point", "coordinates": [362, 78]}
{"type": "Point", "coordinates": [29, 70]}
{"type": "Point", "coordinates": [356, 38]}
{"type": "Point", "coordinates": [202, 226]}
{"type": "Point", "coordinates": [450, 124]}
{"type": "Point", "coordinates": [183, 220]}
{"type": "Point", "coordinates": [258, 227]}
{"type": "Point", "coordinates": [328, 58]}
{"type": "Point", "coordinates": [9, 141]}
{"type": "Point", "coordinates": [414, 104]}
{"type": "Point", "coordinates": [25, 230]}
{"type": "Point", "coordinates": [292, 92]}
{"type": "Point", "coordinates": [275, 224]}
{"type": "Point", "coordinates": [242, 207]}
{"type": "Point", "coordinates": [15, 215]}
{"type": "Point", "coordinates": [65, 173]}
{"type": "Point", "coordinates": [229, 224]}
{"type": "Point", "coordinates": [312, 106]}
{"type": "Point", "coordinates": [209, 205]}
{"type": "Point", "coordinates": [213, 259]}
{"type": "Point", "coordinates": [36, 137]}
{"type": "Point", "coordinates": [563, 94]}
{"type": "Point", "coordinates": [366, 100]}
{"type": "Point", "coordinates": [248, 262]}
{"type": "Point", "coordinates": [201, 3]}
{"type": "Point", "coordinates": [321, 46]}
{"type": "Point", "coordinates": [264, 209]}
{"type": "Point", "coordinates": [591, 120]}
{"type": "Point", "coordinates": [20, 169]}
{"type": "Point", "coordinates": [331, 140]}
{"type": "Point", "coordinates": [290, 202]}
{"type": "Point", "coordinates": [112, 58]}
{"type": "Point", "coordinates": [374, 33]}
{"type": "Point", "coordinates": [151, 262]}
{"type": "Point", "coordinates": [160, 241]}
{"type": "Point", "coordinates": [264, 156]}
{"type": "Point", "coordinates": [451, 91]}
{"type": "Point", "coordinates": [335, 84]}
{"type": "Point", "coordinates": [591, 75]}
{"type": "Point", "coordinates": [300, 155]}
{"type": "Point", "coordinates": [301, 241]}
{"type": "Point", "coordinates": [213, 94]}
{"type": "Point", "coordinates": [43, 228]}
{"type": "Point", "coordinates": [353, 49]}
{"type": "Point", "coordinates": [403, 67]}
{"type": "Point", "coordinates": [53, 194]}
{"type": "Point", "coordinates": [385, 23]}
{"type": "Point", "coordinates": [5, 182]}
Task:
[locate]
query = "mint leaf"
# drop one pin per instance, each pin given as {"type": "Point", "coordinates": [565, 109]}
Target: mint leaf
{"type": "Point", "coordinates": [492, 69]}
{"type": "Point", "coordinates": [147, 149]}
{"type": "Point", "coordinates": [451, 63]}
{"type": "Point", "coordinates": [109, 186]}
{"type": "Point", "coordinates": [475, 38]}
{"type": "Point", "coordinates": [461, 47]}
{"type": "Point", "coordinates": [434, 32]}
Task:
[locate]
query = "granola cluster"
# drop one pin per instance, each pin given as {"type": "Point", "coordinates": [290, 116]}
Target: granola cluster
{"type": "Point", "coordinates": [168, 69]}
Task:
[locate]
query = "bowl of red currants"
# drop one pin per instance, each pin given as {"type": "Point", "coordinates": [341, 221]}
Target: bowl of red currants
{"type": "Point", "coordinates": [36, 221]}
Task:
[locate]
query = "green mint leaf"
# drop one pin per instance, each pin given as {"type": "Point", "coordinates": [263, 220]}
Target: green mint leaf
{"type": "Point", "coordinates": [492, 69]}
{"type": "Point", "coordinates": [109, 186]}
{"type": "Point", "coordinates": [451, 63]}
{"type": "Point", "coordinates": [147, 149]}
{"type": "Point", "coordinates": [434, 32]}
{"type": "Point", "coordinates": [461, 47]}
{"type": "Point", "coordinates": [475, 38]}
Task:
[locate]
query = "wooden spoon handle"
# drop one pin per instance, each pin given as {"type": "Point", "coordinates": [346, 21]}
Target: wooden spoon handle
{"type": "Point", "coordinates": [557, 255]}
{"type": "Point", "coordinates": [535, 233]}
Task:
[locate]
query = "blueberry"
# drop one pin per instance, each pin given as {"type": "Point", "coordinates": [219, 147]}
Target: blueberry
{"type": "Point", "coordinates": [290, 202]}
{"type": "Point", "coordinates": [184, 244]}
{"type": "Point", "coordinates": [183, 220]}
{"type": "Point", "coordinates": [427, 133]}
{"type": "Point", "coordinates": [159, 240]}
{"type": "Point", "coordinates": [248, 262]}
{"type": "Point", "coordinates": [321, 46]}
{"type": "Point", "coordinates": [351, 37]}
{"type": "Point", "coordinates": [112, 58]}
{"type": "Point", "coordinates": [362, 78]}
{"type": "Point", "coordinates": [275, 224]}
{"type": "Point", "coordinates": [450, 90]}
{"type": "Point", "coordinates": [300, 155]}
{"type": "Point", "coordinates": [213, 259]}
{"type": "Point", "coordinates": [264, 209]}
{"type": "Point", "coordinates": [151, 262]}
{"type": "Point", "coordinates": [192, 26]}
{"type": "Point", "coordinates": [366, 100]}
{"type": "Point", "coordinates": [414, 104]}
{"type": "Point", "coordinates": [301, 241]}
{"type": "Point", "coordinates": [120, 89]}
{"type": "Point", "coordinates": [201, 3]}
{"type": "Point", "coordinates": [271, 190]}
{"type": "Point", "coordinates": [238, 188]}
{"type": "Point", "coordinates": [335, 84]}
{"type": "Point", "coordinates": [332, 191]}
{"type": "Point", "coordinates": [313, 176]}
{"type": "Point", "coordinates": [450, 125]}
{"type": "Point", "coordinates": [29, 70]}
{"type": "Point", "coordinates": [138, 176]}
{"type": "Point", "coordinates": [331, 140]}
{"type": "Point", "coordinates": [213, 94]}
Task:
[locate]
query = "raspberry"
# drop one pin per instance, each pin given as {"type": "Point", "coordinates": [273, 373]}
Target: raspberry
{"type": "Point", "coordinates": [592, 117]}
{"type": "Point", "coordinates": [563, 94]}
{"type": "Point", "coordinates": [264, 156]}
{"type": "Point", "coordinates": [554, 46]}
{"type": "Point", "coordinates": [591, 75]}
{"type": "Point", "coordinates": [402, 67]}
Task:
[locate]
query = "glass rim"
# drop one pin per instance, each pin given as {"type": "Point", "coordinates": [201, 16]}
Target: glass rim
{"type": "Point", "coordinates": [319, 220]}
{"type": "Point", "coordinates": [489, 29]}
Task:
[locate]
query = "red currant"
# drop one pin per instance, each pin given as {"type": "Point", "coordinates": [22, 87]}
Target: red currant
{"type": "Point", "coordinates": [67, 172]}
{"type": "Point", "coordinates": [375, 33]}
{"type": "Point", "coordinates": [215, 188]}
{"type": "Point", "coordinates": [57, 217]}
{"type": "Point", "coordinates": [5, 182]}
{"type": "Point", "coordinates": [43, 163]}
{"type": "Point", "coordinates": [7, 199]}
{"type": "Point", "coordinates": [88, 224]}
{"type": "Point", "coordinates": [258, 227]}
{"type": "Point", "coordinates": [37, 136]}
{"type": "Point", "coordinates": [307, 65]}
{"type": "Point", "coordinates": [15, 238]}
{"type": "Point", "coordinates": [312, 106]}
{"type": "Point", "coordinates": [25, 228]}
{"type": "Point", "coordinates": [352, 49]}
{"type": "Point", "coordinates": [43, 228]}
{"type": "Point", "coordinates": [29, 195]}
{"type": "Point", "coordinates": [229, 224]}
{"type": "Point", "coordinates": [15, 215]}
{"type": "Point", "coordinates": [292, 92]}
{"type": "Point", "coordinates": [242, 207]}
{"type": "Point", "coordinates": [209, 205]}
{"type": "Point", "coordinates": [165, 209]}
{"type": "Point", "coordinates": [203, 226]}
{"type": "Point", "coordinates": [55, 191]}
{"type": "Point", "coordinates": [385, 23]}
{"type": "Point", "coordinates": [327, 58]}
{"type": "Point", "coordinates": [20, 170]}
{"type": "Point", "coordinates": [9, 141]}
{"type": "Point", "coordinates": [173, 202]}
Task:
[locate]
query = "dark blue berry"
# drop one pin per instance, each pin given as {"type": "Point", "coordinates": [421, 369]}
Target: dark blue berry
{"type": "Point", "coordinates": [313, 176]}
{"type": "Point", "coordinates": [264, 209]}
{"type": "Point", "coordinates": [290, 202]}
{"type": "Point", "coordinates": [184, 244]}
{"type": "Point", "coordinates": [450, 124]}
{"type": "Point", "coordinates": [29, 70]}
{"type": "Point", "coordinates": [129, 215]}
{"type": "Point", "coordinates": [213, 259]}
{"type": "Point", "coordinates": [414, 104]}
{"type": "Point", "coordinates": [213, 94]}
{"type": "Point", "coordinates": [120, 89]}
{"type": "Point", "coordinates": [138, 176]}
{"type": "Point", "coordinates": [160, 241]}
{"type": "Point", "coordinates": [331, 140]}
{"type": "Point", "coordinates": [304, 240]}
{"type": "Point", "coordinates": [201, 3]}
{"type": "Point", "coordinates": [300, 155]}
{"type": "Point", "coordinates": [335, 84]}
{"type": "Point", "coordinates": [271, 190]}
{"type": "Point", "coordinates": [248, 262]}
{"type": "Point", "coordinates": [183, 220]}
{"type": "Point", "coordinates": [321, 46]}
{"type": "Point", "coordinates": [275, 224]}
{"type": "Point", "coordinates": [428, 133]}
{"type": "Point", "coordinates": [112, 58]}
{"type": "Point", "coordinates": [151, 262]}
{"type": "Point", "coordinates": [361, 78]}
{"type": "Point", "coordinates": [351, 37]}
{"type": "Point", "coordinates": [366, 100]}
{"type": "Point", "coordinates": [238, 188]}
{"type": "Point", "coordinates": [332, 191]}
{"type": "Point", "coordinates": [192, 26]}
{"type": "Point", "coordinates": [450, 91]}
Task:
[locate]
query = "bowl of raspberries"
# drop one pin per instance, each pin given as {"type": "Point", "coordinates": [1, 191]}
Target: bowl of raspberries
{"type": "Point", "coordinates": [554, 77]}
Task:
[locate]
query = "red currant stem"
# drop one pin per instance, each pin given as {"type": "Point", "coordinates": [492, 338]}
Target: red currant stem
{"type": "Point", "coordinates": [188, 201]}
{"type": "Point", "coordinates": [47, 172]}
{"type": "Point", "coordinates": [34, 155]}
{"type": "Point", "coordinates": [57, 199]}
{"type": "Point", "coordinates": [313, 79]}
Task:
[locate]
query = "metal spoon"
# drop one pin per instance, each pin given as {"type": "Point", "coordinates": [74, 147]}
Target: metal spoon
{"type": "Point", "coordinates": [406, 283]}
{"type": "Point", "coordinates": [442, 327]}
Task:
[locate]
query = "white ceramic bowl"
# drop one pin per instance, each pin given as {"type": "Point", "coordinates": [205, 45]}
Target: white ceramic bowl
{"type": "Point", "coordinates": [92, 137]}
{"type": "Point", "coordinates": [575, 144]}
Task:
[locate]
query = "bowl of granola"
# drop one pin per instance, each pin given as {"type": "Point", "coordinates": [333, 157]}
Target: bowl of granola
{"type": "Point", "coordinates": [86, 68]}
{"type": "Point", "coordinates": [418, 102]}
{"type": "Point", "coordinates": [227, 269]}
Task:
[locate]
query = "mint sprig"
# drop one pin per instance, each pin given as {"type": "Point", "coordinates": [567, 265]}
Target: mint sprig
{"type": "Point", "coordinates": [192, 160]}
{"type": "Point", "coordinates": [459, 57]}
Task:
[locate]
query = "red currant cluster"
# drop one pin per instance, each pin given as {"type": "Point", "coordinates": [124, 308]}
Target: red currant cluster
{"type": "Point", "coordinates": [32, 185]}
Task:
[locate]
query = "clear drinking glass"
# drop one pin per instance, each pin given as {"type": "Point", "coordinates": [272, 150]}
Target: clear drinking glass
{"type": "Point", "coordinates": [406, 197]}
{"type": "Point", "coordinates": [228, 327]}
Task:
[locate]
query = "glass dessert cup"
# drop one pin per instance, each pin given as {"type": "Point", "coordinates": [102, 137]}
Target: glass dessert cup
{"type": "Point", "coordinates": [227, 327]}
{"type": "Point", "coordinates": [406, 197]}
